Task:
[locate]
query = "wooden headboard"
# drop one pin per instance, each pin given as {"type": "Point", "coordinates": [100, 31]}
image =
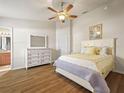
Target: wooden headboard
{"type": "Point", "coordinates": [101, 43]}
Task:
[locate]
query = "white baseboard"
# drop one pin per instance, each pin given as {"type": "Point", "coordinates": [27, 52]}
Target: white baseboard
{"type": "Point", "coordinates": [119, 71]}
{"type": "Point", "coordinates": [17, 68]}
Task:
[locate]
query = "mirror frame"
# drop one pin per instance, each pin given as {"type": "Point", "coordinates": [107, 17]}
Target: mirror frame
{"type": "Point", "coordinates": [46, 40]}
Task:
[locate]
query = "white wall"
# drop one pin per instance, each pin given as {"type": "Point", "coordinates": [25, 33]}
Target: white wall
{"type": "Point", "coordinates": [21, 36]}
{"type": "Point", "coordinates": [113, 27]}
{"type": "Point", "coordinates": [63, 37]}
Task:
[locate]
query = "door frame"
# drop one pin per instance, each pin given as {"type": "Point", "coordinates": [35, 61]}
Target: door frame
{"type": "Point", "coordinates": [11, 30]}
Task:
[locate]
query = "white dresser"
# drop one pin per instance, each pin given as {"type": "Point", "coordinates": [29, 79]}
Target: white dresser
{"type": "Point", "coordinates": [38, 56]}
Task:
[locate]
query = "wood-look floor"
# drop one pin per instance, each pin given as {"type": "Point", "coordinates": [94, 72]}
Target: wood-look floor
{"type": "Point", "coordinates": [43, 79]}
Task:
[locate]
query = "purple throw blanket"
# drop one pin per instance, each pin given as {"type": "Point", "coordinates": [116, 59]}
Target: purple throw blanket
{"type": "Point", "coordinates": [95, 79]}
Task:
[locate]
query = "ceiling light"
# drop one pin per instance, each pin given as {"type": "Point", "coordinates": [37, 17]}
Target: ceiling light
{"type": "Point", "coordinates": [61, 17]}
{"type": "Point", "coordinates": [63, 13]}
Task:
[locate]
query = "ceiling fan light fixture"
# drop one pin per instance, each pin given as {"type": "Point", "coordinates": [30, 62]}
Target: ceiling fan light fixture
{"type": "Point", "coordinates": [63, 14]}
{"type": "Point", "coordinates": [61, 17]}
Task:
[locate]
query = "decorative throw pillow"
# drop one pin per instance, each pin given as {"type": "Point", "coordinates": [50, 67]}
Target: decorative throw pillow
{"type": "Point", "coordinates": [90, 50]}
{"type": "Point", "coordinates": [104, 51]}
{"type": "Point", "coordinates": [83, 50]}
{"type": "Point", "coordinates": [97, 50]}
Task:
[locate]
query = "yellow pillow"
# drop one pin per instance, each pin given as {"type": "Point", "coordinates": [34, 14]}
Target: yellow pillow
{"type": "Point", "coordinates": [97, 50]}
{"type": "Point", "coordinates": [109, 51]}
{"type": "Point", "coordinates": [90, 50]}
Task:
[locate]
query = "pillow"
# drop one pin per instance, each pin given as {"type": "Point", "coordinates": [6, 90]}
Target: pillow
{"type": "Point", "coordinates": [90, 50]}
{"type": "Point", "coordinates": [97, 50]}
{"type": "Point", "coordinates": [109, 51]}
{"type": "Point", "coordinates": [104, 51]}
{"type": "Point", "coordinates": [83, 50]}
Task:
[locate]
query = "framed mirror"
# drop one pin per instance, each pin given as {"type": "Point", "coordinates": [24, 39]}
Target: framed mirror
{"type": "Point", "coordinates": [5, 39]}
{"type": "Point", "coordinates": [38, 41]}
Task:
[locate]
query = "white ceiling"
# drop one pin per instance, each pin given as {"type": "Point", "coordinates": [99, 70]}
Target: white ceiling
{"type": "Point", "coordinates": [37, 9]}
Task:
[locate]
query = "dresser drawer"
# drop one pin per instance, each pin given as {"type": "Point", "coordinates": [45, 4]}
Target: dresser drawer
{"type": "Point", "coordinates": [37, 57]}
{"type": "Point", "coordinates": [33, 63]}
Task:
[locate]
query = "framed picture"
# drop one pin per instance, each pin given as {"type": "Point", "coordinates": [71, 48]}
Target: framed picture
{"type": "Point", "coordinates": [95, 32]}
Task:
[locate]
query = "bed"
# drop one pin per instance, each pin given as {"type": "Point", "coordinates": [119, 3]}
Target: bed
{"type": "Point", "coordinates": [89, 70]}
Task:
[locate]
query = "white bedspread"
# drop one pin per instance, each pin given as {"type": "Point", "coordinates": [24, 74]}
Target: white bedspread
{"type": "Point", "coordinates": [101, 64]}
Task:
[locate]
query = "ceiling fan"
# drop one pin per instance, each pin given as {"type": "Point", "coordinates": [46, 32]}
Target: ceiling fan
{"type": "Point", "coordinates": [63, 14]}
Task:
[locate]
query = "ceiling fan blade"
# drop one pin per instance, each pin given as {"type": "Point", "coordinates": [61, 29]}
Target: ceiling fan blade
{"type": "Point", "coordinates": [52, 18]}
{"type": "Point", "coordinates": [73, 16]}
{"type": "Point", "coordinates": [52, 9]}
{"type": "Point", "coordinates": [69, 7]}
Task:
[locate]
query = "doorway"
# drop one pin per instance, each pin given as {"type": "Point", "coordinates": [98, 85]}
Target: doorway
{"type": "Point", "coordinates": [5, 48]}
